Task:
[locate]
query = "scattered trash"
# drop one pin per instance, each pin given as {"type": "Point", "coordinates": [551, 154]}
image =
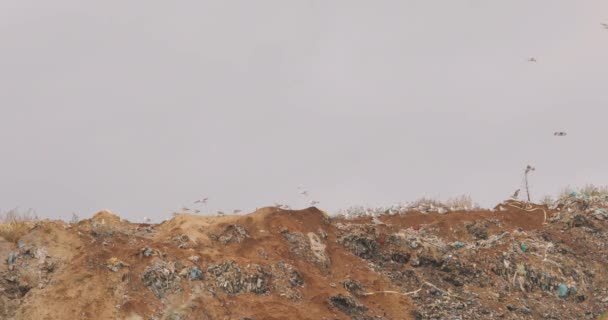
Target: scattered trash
{"type": "Point", "coordinates": [194, 258]}
{"type": "Point", "coordinates": [12, 257]}
{"type": "Point", "coordinates": [354, 287]}
{"type": "Point", "coordinates": [196, 274]}
{"type": "Point", "coordinates": [562, 290]}
{"type": "Point", "coordinates": [232, 233]}
{"type": "Point", "coordinates": [233, 279]}
{"type": "Point", "coordinates": [523, 247]}
{"type": "Point", "coordinates": [308, 247]}
{"type": "Point", "coordinates": [161, 278]}
{"type": "Point", "coordinates": [350, 306]}
{"type": "Point", "coordinates": [181, 241]}
{"type": "Point", "coordinates": [478, 229]}
{"type": "Point", "coordinates": [114, 264]}
{"type": "Point", "coordinates": [458, 245]}
{"type": "Point", "coordinates": [148, 252]}
{"type": "Point", "coordinates": [360, 242]}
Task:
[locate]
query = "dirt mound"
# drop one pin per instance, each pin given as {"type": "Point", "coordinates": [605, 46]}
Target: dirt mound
{"type": "Point", "coordinates": [510, 263]}
{"type": "Point", "coordinates": [106, 217]}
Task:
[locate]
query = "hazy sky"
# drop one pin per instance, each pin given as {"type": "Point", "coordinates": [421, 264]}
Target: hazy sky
{"type": "Point", "coordinates": [144, 106]}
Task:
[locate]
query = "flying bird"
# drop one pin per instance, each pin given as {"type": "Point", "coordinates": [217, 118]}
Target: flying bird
{"type": "Point", "coordinates": [203, 201]}
{"type": "Point", "coordinates": [314, 203]}
{"type": "Point", "coordinates": [530, 168]}
{"type": "Point", "coordinates": [185, 209]}
{"type": "Point", "coordinates": [304, 193]}
{"type": "Point", "coordinates": [532, 59]}
{"type": "Point", "coordinates": [236, 211]}
{"type": "Point", "coordinates": [605, 25]}
{"type": "Point", "coordinates": [559, 133]}
{"type": "Point", "coordinates": [221, 213]}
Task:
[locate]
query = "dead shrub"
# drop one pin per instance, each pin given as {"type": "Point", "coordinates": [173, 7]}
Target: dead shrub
{"type": "Point", "coordinates": [15, 223]}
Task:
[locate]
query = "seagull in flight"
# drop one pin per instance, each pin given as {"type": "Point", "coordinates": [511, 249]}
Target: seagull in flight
{"type": "Point", "coordinates": [203, 201]}
{"type": "Point", "coordinates": [605, 25]}
{"type": "Point", "coordinates": [314, 203]}
{"type": "Point", "coordinates": [532, 59]}
{"type": "Point", "coordinates": [559, 133]}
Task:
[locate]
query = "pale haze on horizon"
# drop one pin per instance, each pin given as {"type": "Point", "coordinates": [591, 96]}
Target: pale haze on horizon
{"type": "Point", "coordinates": [144, 107]}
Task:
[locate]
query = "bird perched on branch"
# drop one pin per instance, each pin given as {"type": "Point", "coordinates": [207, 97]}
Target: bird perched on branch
{"type": "Point", "coordinates": [529, 168]}
{"type": "Point", "coordinates": [515, 194]}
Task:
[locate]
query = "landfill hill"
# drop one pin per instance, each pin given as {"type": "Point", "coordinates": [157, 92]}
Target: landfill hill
{"type": "Point", "coordinates": [518, 261]}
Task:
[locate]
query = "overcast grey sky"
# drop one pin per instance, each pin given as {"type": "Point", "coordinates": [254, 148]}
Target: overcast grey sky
{"type": "Point", "coordinates": [144, 106]}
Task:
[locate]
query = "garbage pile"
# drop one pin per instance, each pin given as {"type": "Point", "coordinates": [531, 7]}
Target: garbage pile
{"type": "Point", "coordinates": [351, 307]}
{"type": "Point", "coordinates": [503, 264]}
{"type": "Point", "coordinates": [354, 287]}
{"type": "Point", "coordinates": [28, 267]}
{"type": "Point", "coordinates": [423, 205]}
{"type": "Point", "coordinates": [517, 268]}
{"type": "Point", "coordinates": [234, 233]}
{"type": "Point", "coordinates": [595, 206]}
{"type": "Point", "coordinates": [162, 278]}
{"type": "Point", "coordinates": [287, 280]}
{"type": "Point", "coordinates": [308, 247]}
{"type": "Point", "coordinates": [233, 279]}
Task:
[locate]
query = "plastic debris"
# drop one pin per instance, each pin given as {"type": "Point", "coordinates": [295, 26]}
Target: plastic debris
{"type": "Point", "coordinates": [12, 257]}
{"type": "Point", "coordinates": [523, 247]}
{"type": "Point", "coordinates": [196, 274]}
{"type": "Point", "coordinates": [114, 264]}
{"type": "Point", "coordinates": [161, 278]}
{"type": "Point", "coordinates": [562, 290]}
{"type": "Point", "coordinates": [148, 252]}
{"type": "Point", "coordinates": [458, 245]}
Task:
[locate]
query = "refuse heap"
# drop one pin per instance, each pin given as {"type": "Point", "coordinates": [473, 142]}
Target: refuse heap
{"type": "Point", "coordinates": [509, 263]}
